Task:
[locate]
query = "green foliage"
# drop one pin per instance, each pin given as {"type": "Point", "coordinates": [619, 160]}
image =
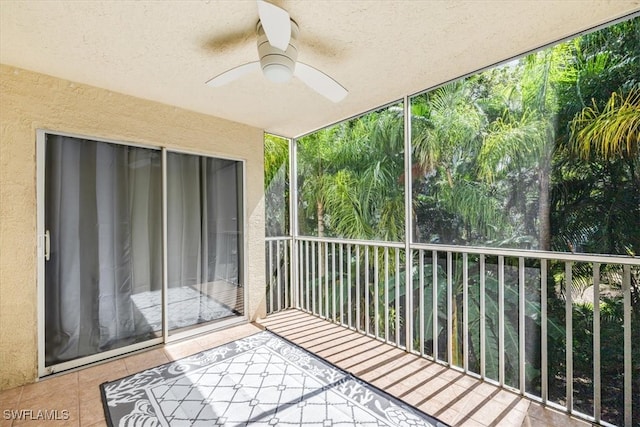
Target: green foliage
{"type": "Point", "coordinates": [350, 178]}
{"type": "Point", "coordinates": [613, 132]}
{"type": "Point", "coordinates": [540, 153]}
{"type": "Point", "coordinates": [276, 185]}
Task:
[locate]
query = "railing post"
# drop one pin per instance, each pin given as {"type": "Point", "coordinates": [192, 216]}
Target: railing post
{"type": "Point", "coordinates": [349, 306]}
{"type": "Point", "coordinates": [333, 282]}
{"type": "Point", "coordinates": [596, 343]}
{"type": "Point", "coordinates": [434, 274]}
{"type": "Point", "coordinates": [465, 311]}
{"type": "Point", "coordinates": [341, 246]}
{"type": "Point", "coordinates": [483, 320]}
{"type": "Point", "coordinates": [450, 297]}
{"type": "Point", "coordinates": [358, 293]}
{"type": "Point", "coordinates": [501, 378]}
{"type": "Point", "coordinates": [544, 370]}
{"type": "Point", "coordinates": [326, 280]}
{"type": "Point", "coordinates": [376, 294]}
{"type": "Point", "coordinates": [314, 275]}
{"type": "Point", "coordinates": [521, 326]}
{"type": "Point", "coordinates": [421, 296]}
{"type": "Point", "coordinates": [628, 371]}
{"type": "Point", "coordinates": [271, 281]}
{"type": "Point", "coordinates": [287, 276]}
{"type": "Point", "coordinates": [366, 291]}
{"type": "Point", "coordinates": [397, 298]}
{"type": "Point", "coordinates": [568, 284]}
{"type": "Point", "coordinates": [386, 294]}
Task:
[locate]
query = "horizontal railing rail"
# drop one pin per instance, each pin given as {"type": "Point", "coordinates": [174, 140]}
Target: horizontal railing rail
{"type": "Point", "coordinates": [529, 321]}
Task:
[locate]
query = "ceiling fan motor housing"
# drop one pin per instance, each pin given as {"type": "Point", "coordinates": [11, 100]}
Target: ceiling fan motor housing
{"type": "Point", "coordinates": [278, 65]}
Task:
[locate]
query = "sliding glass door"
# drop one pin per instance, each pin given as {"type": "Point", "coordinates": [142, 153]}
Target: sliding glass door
{"type": "Point", "coordinates": [204, 236]}
{"type": "Point", "coordinates": [102, 226]}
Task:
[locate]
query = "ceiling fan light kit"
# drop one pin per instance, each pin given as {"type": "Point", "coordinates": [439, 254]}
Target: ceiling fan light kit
{"type": "Point", "coordinates": [277, 65]}
{"type": "Point", "coordinates": [277, 37]}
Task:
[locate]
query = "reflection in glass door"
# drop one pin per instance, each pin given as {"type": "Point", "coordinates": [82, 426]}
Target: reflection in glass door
{"type": "Point", "coordinates": [103, 268]}
{"type": "Point", "coordinates": [204, 240]}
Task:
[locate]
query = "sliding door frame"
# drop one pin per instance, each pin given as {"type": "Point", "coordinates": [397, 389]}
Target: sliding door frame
{"type": "Point", "coordinates": [42, 247]}
{"type": "Point", "coordinates": [214, 325]}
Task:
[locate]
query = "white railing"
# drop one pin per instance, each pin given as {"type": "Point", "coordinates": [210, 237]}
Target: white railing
{"type": "Point", "coordinates": [279, 284]}
{"type": "Point", "coordinates": [504, 316]}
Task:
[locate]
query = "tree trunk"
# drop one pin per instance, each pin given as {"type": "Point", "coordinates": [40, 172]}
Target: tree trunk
{"type": "Point", "coordinates": [320, 214]}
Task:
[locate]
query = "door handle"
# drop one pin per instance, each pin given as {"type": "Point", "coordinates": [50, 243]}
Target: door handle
{"type": "Point", "coordinates": [47, 245]}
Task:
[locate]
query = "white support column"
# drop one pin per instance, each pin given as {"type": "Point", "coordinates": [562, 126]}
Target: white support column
{"type": "Point", "coordinates": [293, 222]}
{"type": "Point", "coordinates": [165, 256]}
{"type": "Point", "coordinates": [408, 225]}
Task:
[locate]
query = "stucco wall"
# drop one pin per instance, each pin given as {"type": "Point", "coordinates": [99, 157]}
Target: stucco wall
{"type": "Point", "coordinates": [29, 101]}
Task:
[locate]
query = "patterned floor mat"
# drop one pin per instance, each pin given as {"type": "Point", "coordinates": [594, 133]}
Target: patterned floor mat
{"type": "Point", "coordinates": [261, 380]}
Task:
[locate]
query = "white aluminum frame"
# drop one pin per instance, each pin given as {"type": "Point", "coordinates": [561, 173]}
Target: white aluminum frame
{"type": "Point", "coordinates": [41, 244]}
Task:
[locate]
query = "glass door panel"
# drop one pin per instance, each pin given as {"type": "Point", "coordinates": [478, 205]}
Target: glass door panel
{"type": "Point", "coordinates": [204, 240]}
{"type": "Point", "coordinates": [103, 276]}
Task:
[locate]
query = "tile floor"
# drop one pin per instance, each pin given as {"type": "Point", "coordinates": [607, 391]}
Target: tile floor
{"type": "Point", "coordinates": [79, 393]}
{"type": "Point", "coordinates": [447, 394]}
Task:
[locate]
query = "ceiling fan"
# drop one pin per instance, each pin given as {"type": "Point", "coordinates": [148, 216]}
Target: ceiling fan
{"type": "Point", "coordinates": [277, 48]}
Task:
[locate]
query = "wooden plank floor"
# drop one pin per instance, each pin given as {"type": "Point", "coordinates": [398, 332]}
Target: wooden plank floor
{"type": "Point", "coordinates": [447, 394]}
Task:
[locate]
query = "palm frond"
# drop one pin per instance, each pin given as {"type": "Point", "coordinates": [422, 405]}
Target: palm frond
{"type": "Point", "coordinates": [611, 132]}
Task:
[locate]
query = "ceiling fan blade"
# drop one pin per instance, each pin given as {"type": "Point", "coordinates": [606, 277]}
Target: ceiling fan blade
{"type": "Point", "coordinates": [276, 24]}
{"type": "Point", "coordinates": [233, 74]}
{"type": "Point", "coordinates": [320, 82]}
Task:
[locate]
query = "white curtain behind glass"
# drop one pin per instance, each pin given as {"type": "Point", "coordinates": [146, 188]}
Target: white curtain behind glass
{"type": "Point", "coordinates": [203, 228]}
{"type": "Point", "coordinates": [103, 212]}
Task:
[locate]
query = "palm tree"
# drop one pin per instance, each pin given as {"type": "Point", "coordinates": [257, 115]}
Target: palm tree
{"type": "Point", "coordinates": [349, 177]}
{"type": "Point", "coordinates": [276, 185]}
{"type": "Point", "coordinates": [612, 132]}
{"type": "Point", "coordinates": [446, 126]}
{"type": "Point", "coordinates": [524, 136]}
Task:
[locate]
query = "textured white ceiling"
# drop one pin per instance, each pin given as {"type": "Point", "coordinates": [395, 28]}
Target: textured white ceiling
{"type": "Point", "coordinates": [379, 50]}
